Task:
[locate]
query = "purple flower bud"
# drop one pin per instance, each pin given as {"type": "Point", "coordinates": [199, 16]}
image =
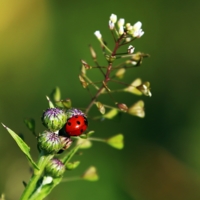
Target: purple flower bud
{"type": "Point", "coordinates": [73, 112]}
{"type": "Point", "coordinates": [49, 142]}
{"type": "Point", "coordinates": [54, 119]}
{"type": "Point", "coordinates": [55, 168]}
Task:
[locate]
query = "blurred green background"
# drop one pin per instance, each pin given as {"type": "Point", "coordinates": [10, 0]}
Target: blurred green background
{"type": "Point", "coordinates": [41, 44]}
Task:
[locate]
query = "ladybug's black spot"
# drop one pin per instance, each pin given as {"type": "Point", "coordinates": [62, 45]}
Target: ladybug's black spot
{"type": "Point", "coordinates": [78, 122]}
{"type": "Point", "coordinates": [76, 116]}
{"type": "Point", "coordinates": [69, 123]}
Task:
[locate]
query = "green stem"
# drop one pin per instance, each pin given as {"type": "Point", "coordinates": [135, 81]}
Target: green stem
{"type": "Point", "coordinates": [102, 43]}
{"type": "Point", "coordinates": [45, 190]}
{"type": "Point", "coordinates": [76, 178]}
{"type": "Point", "coordinates": [97, 139]}
{"type": "Point", "coordinates": [35, 177]}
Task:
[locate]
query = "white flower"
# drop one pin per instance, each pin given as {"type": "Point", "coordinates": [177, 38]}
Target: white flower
{"type": "Point", "coordinates": [113, 18]}
{"type": "Point", "coordinates": [121, 30]}
{"type": "Point", "coordinates": [137, 31]}
{"type": "Point", "coordinates": [137, 26]}
{"type": "Point", "coordinates": [120, 22]}
{"type": "Point", "coordinates": [111, 25]}
{"type": "Point", "coordinates": [131, 49]}
{"type": "Point", "coordinates": [98, 34]}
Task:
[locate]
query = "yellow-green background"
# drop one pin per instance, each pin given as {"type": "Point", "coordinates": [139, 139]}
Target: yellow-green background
{"type": "Point", "coordinates": [41, 44]}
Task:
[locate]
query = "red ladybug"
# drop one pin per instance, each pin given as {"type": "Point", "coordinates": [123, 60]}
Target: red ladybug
{"type": "Point", "coordinates": [76, 125]}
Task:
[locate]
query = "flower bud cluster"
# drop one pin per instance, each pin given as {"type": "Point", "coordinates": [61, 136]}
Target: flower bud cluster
{"type": "Point", "coordinates": [49, 140]}
{"type": "Point", "coordinates": [127, 30]}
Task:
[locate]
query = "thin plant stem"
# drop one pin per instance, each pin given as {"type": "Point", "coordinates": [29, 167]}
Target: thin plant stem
{"type": "Point", "coordinates": [107, 76]}
{"type": "Point", "coordinates": [97, 139]}
{"type": "Point", "coordinates": [75, 178]}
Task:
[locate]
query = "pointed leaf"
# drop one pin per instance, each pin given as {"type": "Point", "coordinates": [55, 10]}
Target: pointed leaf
{"type": "Point", "coordinates": [116, 141]}
{"type": "Point", "coordinates": [50, 103]}
{"type": "Point", "coordinates": [22, 145]}
{"type": "Point", "coordinates": [89, 133]}
{"type": "Point", "coordinates": [90, 174]}
{"type": "Point", "coordinates": [56, 94]}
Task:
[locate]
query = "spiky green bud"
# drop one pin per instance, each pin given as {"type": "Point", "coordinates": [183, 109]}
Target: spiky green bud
{"type": "Point", "coordinates": [55, 168]}
{"type": "Point", "coordinates": [54, 119]}
{"type": "Point", "coordinates": [49, 142]}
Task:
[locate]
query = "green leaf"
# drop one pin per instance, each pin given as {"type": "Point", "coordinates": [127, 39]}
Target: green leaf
{"type": "Point", "coordinates": [30, 123]}
{"type": "Point", "coordinates": [50, 103]}
{"type": "Point", "coordinates": [116, 141]}
{"type": "Point", "coordinates": [111, 114]}
{"type": "Point", "coordinates": [56, 95]}
{"type": "Point", "coordinates": [22, 145]}
{"type": "Point", "coordinates": [90, 174]}
{"type": "Point", "coordinates": [72, 165]}
{"type": "Point", "coordinates": [89, 133]}
{"type": "Point", "coordinates": [84, 143]}
{"type": "Point", "coordinates": [67, 103]}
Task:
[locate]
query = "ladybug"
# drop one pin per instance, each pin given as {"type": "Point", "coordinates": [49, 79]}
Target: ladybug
{"type": "Point", "coordinates": [76, 125]}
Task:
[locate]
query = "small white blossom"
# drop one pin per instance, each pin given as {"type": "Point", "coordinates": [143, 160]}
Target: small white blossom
{"type": "Point", "coordinates": [131, 49]}
{"type": "Point", "coordinates": [137, 31]}
{"type": "Point", "coordinates": [98, 34]}
{"type": "Point", "coordinates": [111, 25]}
{"type": "Point", "coordinates": [137, 25]}
{"type": "Point", "coordinates": [120, 22]}
{"type": "Point", "coordinates": [113, 18]}
{"type": "Point", "coordinates": [134, 63]}
{"type": "Point", "coordinates": [121, 30]}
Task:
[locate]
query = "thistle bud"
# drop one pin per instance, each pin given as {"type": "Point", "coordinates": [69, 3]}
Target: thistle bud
{"type": "Point", "coordinates": [54, 119]}
{"type": "Point", "coordinates": [49, 142]}
{"type": "Point", "coordinates": [55, 168]}
{"type": "Point", "coordinates": [65, 142]}
{"type": "Point", "coordinates": [73, 112]}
